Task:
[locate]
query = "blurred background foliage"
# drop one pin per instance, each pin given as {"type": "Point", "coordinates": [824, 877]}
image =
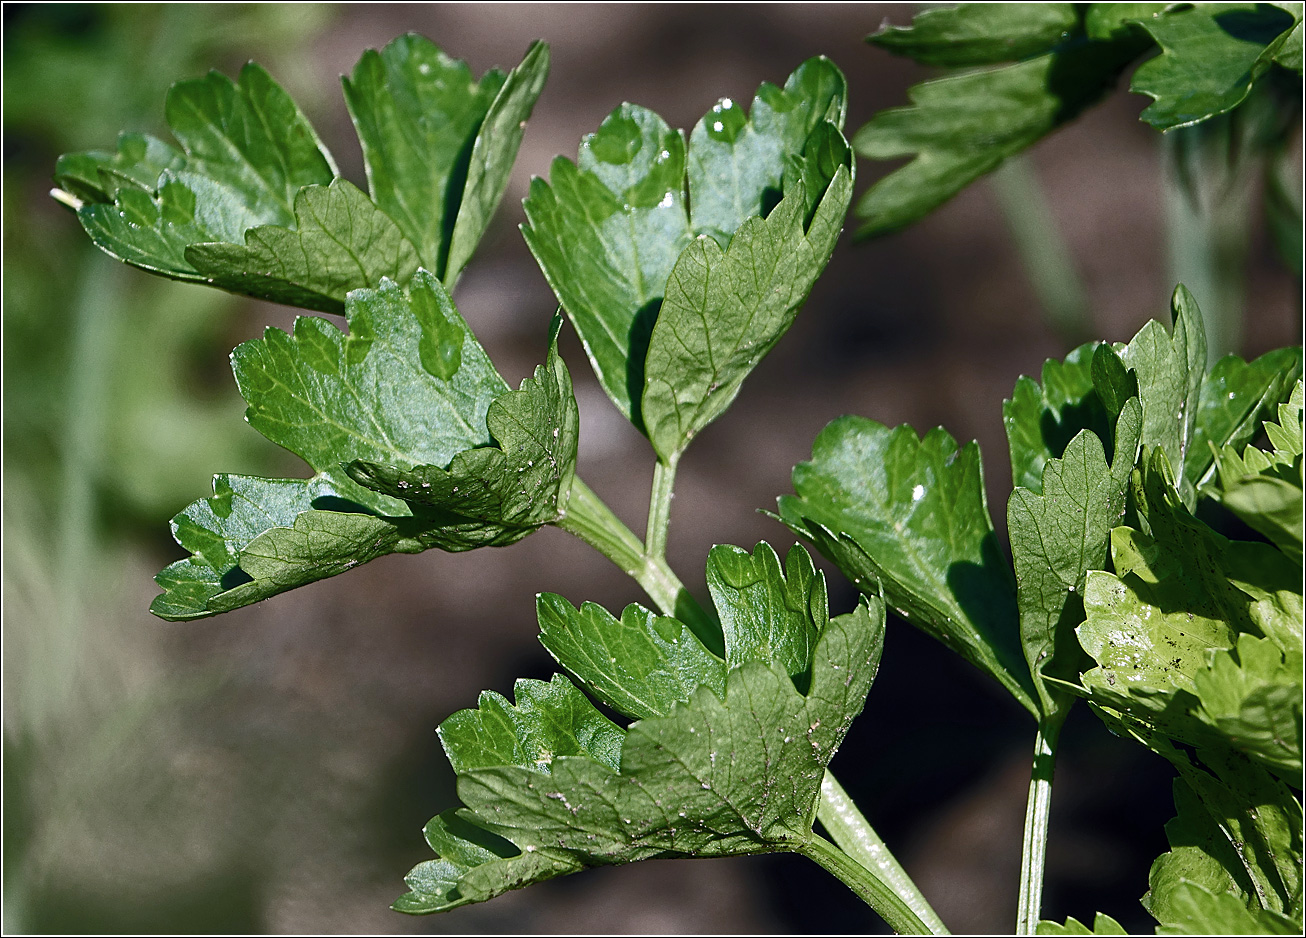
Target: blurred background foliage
{"type": "Point", "coordinates": [270, 770]}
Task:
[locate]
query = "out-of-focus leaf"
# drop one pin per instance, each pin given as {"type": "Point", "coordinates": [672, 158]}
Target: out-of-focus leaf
{"type": "Point", "coordinates": [1060, 534]}
{"type": "Point", "coordinates": [979, 33]}
{"type": "Point", "coordinates": [1103, 924]}
{"type": "Point", "coordinates": [723, 772]}
{"type": "Point", "coordinates": [608, 230]}
{"type": "Point", "coordinates": [909, 517]}
{"type": "Point", "coordinates": [1211, 54]}
{"type": "Point", "coordinates": [408, 392]}
{"type": "Point", "coordinates": [960, 127]}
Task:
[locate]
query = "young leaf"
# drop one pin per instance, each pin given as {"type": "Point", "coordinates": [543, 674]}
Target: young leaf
{"type": "Point", "coordinates": [909, 516]}
{"type": "Point", "coordinates": [1236, 396]}
{"type": "Point", "coordinates": [253, 203]}
{"type": "Point", "coordinates": [979, 33]}
{"type": "Point", "coordinates": [1265, 489]}
{"type": "Point", "coordinates": [1059, 534]}
{"type": "Point", "coordinates": [728, 772]}
{"type": "Point", "coordinates": [1102, 925]}
{"type": "Point", "coordinates": [1211, 54]}
{"type": "Point", "coordinates": [378, 414]}
{"type": "Point", "coordinates": [960, 127]}
{"type": "Point", "coordinates": [608, 230]}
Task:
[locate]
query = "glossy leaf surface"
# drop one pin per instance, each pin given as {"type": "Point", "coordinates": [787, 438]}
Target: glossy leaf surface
{"type": "Point", "coordinates": [718, 772]}
{"type": "Point", "coordinates": [909, 516]}
{"type": "Point", "coordinates": [252, 202]}
{"type": "Point", "coordinates": [979, 33]}
{"type": "Point", "coordinates": [609, 229]}
{"type": "Point", "coordinates": [408, 405]}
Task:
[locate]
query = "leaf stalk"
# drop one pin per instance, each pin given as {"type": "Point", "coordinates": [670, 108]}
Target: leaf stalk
{"type": "Point", "coordinates": [659, 509]}
{"type": "Point", "coordinates": [872, 890]}
{"type": "Point", "coordinates": [850, 830]}
{"type": "Point", "coordinates": [1033, 854]}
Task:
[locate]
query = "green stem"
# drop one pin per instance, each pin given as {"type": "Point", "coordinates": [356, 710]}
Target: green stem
{"type": "Point", "coordinates": [855, 836]}
{"type": "Point", "coordinates": [1033, 855]}
{"type": "Point", "coordinates": [868, 887]}
{"type": "Point", "coordinates": [1043, 251]}
{"type": "Point", "coordinates": [659, 509]}
{"type": "Point", "coordinates": [589, 519]}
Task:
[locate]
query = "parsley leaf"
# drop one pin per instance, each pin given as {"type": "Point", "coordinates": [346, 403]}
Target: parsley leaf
{"type": "Point", "coordinates": [675, 306]}
{"type": "Point", "coordinates": [731, 767]}
{"type": "Point", "coordinates": [252, 201]}
{"type": "Point", "coordinates": [416, 441]}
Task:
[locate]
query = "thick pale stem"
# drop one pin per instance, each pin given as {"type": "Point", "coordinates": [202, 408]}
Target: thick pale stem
{"type": "Point", "coordinates": [589, 519]}
{"type": "Point", "coordinates": [659, 510]}
{"type": "Point", "coordinates": [896, 913]}
{"type": "Point", "coordinates": [1033, 855]}
{"type": "Point", "coordinates": [855, 836]}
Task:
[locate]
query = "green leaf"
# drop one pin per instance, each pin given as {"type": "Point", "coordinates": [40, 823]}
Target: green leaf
{"type": "Point", "coordinates": [1265, 489]}
{"type": "Point", "coordinates": [1240, 834]}
{"type": "Point", "coordinates": [258, 537]}
{"type": "Point", "coordinates": [1041, 421]}
{"type": "Point", "coordinates": [1196, 910]}
{"type": "Point", "coordinates": [340, 241]}
{"type": "Point", "coordinates": [497, 494]}
{"type": "Point", "coordinates": [1058, 535]}
{"type": "Point", "coordinates": [1112, 20]}
{"type": "Point", "coordinates": [726, 308]}
{"type": "Point", "coordinates": [1236, 396]}
{"type": "Point", "coordinates": [406, 393]}
{"type": "Point", "coordinates": [253, 203]}
{"type": "Point", "coordinates": [979, 33]}
{"type": "Point", "coordinates": [1102, 925]}
{"type": "Point", "coordinates": [608, 230]}
{"type": "Point", "coordinates": [960, 127]}
{"type": "Point", "coordinates": [1252, 695]}
{"type": "Point", "coordinates": [1289, 53]}
{"type": "Point", "coordinates": [437, 143]}
{"type": "Point", "coordinates": [724, 772]}
{"type": "Point", "coordinates": [909, 516]}
{"type": "Point", "coordinates": [1211, 54]}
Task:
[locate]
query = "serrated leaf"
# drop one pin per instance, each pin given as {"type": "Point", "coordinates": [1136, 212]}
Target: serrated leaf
{"type": "Point", "coordinates": [608, 230]}
{"type": "Point", "coordinates": [723, 773]}
{"type": "Point", "coordinates": [909, 516]}
{"type": "Point", "coordinates": [437, 143]}
{"type": "Point", "coordinates": [724, 309]}
{"type": "Point", "coordinates": [253, 203]}
{"type": "Point", "coordinates": [1235, 397]}
{"type": "Point", "coordinates": [959, 127]}
{"type": "Point", "coordinates": [1263, 488]}
{"type": "Point", "coordinates": [979, 33]}
{"type": "Point", "coordinates": [340, 241]}
{"type": "Point", "coordinates": [1239, 831]}
{"type": "Point", "coordinates": [1041, 420]}
{"type": "Point", "coordinates": [406, 393]}
{"type": "Point", "coordinates": [499, 493]}
{"type": "Point", "coordinates": [1111, 20]}
{"type": "Point", "coordinates": [1211, 54]}
{"type": "Point", "coordinates": [1059, 535]}
{"type": "Point", "coordinates": [1103, 924]}
{"type": "Point", "coordinates": [258, 537]}
{"type": "Point", "coordinates": [1252, 695]}
{"type": "Point", "coordinates": [1196, 910]}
